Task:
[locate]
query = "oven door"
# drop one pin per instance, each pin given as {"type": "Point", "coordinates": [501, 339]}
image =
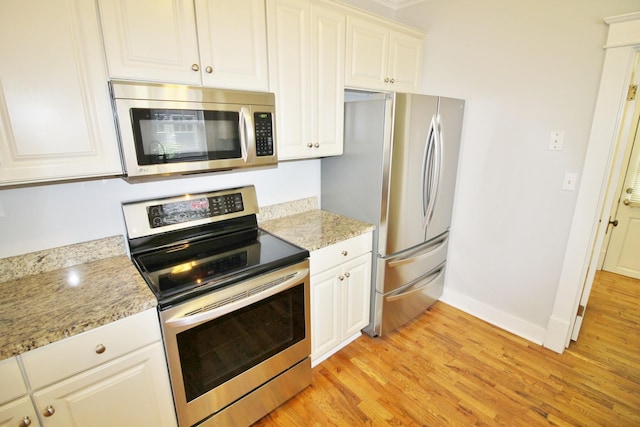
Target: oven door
{"type": "Point", "coordinates": [224, 345]}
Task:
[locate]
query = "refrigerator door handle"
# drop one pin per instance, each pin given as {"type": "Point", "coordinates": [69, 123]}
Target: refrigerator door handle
{"type": "Point", "coordinates": [412, 258]}
{"type": "Point", "coordinates": [427, 162]}
{"type": "Point", "coordinates": [432, 276]}
{"type": "Point", "coordinates": [436, 168]}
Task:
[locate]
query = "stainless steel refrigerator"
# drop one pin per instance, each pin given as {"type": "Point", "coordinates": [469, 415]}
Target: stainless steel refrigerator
{"type": "Point", "coordinates": [398, 171]}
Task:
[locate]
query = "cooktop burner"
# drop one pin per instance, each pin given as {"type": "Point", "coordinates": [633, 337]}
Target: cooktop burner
{"type": "Point", "coordinates": [189, 245]}
{"type": "Point", "coordinates": [180, 272]}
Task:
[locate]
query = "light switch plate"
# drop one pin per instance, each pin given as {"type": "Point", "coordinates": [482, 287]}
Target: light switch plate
{"type": "Point", "coordinates": [569, 181]}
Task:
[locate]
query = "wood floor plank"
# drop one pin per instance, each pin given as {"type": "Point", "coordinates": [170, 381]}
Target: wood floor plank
{"type": "Point", "coordinates": [447, 368]}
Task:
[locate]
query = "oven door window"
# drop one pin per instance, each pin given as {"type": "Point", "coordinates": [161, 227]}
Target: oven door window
{"type": "Point", "coordinates": [218, 350]}
{"type": "Point", "coordinates": [171, 136]}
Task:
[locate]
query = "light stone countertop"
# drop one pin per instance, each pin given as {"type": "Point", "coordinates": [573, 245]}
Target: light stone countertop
{"type": "Point", "coordinates": [54, 294]}
{"type": "Point", "coordinates": [316, 229]}
{"type": "Point", "coordinates": [40, 309]}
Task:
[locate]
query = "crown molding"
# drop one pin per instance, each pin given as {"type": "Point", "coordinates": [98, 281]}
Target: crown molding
{"type": "Point", "coordinates": [398, 4]}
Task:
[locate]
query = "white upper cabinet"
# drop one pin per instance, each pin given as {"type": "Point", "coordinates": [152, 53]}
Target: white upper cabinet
{"type": "Point", "coordinates": [382, 56]}
{"type": "Point", "coordinates": [306, 67]}
{"type": "Point", "coordinates": [55, 111]}
{"type": "Point", "coordinates": [216, 43]}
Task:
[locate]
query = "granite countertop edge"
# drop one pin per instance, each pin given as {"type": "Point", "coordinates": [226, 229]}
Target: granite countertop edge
{"type": "Point", "coordinates": [44, 308]}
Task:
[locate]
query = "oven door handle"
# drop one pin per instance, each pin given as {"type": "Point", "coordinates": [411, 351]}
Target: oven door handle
{"type": "Point", "coordinates": [191, 320]}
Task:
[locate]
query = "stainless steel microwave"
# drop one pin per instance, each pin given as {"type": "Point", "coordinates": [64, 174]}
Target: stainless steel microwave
{"type": "Point", "coordinates": [181, 130]}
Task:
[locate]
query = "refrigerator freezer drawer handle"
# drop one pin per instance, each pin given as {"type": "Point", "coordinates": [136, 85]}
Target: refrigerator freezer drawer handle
{"type": "Point", "coordinates": [418, 289]}
{"type": "Point", "coordinates": [411, 259]}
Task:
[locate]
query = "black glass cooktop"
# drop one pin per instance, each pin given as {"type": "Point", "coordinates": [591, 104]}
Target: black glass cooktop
{"type": "Point", "coordinates": [183, 271]}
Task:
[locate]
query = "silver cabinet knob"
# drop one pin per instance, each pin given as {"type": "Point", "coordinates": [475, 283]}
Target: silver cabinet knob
{"type": "Point", "coordinates": [49, 410]}
{"type": "Point", "coordinates": [209, 69]}
{"type": "Point", "coordinates": [100, 348]}
{"type": "Point", "coordinates": [341, 278]}
{"type": "Point", "coordinates": [393, 80]}
{"type": "Point", "coordinates": [347, 275]}
{"type": "Point", "coordinates": [629, 190]}
{"type": "Point", "coordinates": [626, 202]}
{"type": "Point", "coordinates": [195, 67]}
{"type": "Point", "coordinates": [309, 145]}
{"type": "Point", "coordinates": [316, 145]}
{"type": "Point", "coordinates": [344, 253]}
{"type": "Point", "coordinates": [26, 422]}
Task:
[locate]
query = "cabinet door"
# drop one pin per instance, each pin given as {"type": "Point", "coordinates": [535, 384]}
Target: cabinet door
{"type": "Point", "coordinates": [405, 62]}
{"type": "Point", "coordinates": [232, 37]}
{"type": "Point", "coordinates": [367, 54]}
{"type": "Point", "coordinates": [150, 40]}
{"type": "Point", "coordinates": [19, 412]}
{"type": "Point", "coordinates": [356, 291]}
{"type": "Point", "coordinates": [55, 112]}
{"type": "Point", "coordinates": [288, 34]}
{"type": "Point", "coordinates": [327, 81]}
{"type": "Point", "coordinates": [326, 295]}
{"type": "Point", "coordinates": [131, 391]}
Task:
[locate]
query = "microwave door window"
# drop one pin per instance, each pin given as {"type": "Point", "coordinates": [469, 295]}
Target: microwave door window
{"type": "Point", "coordinates": [167, 136]}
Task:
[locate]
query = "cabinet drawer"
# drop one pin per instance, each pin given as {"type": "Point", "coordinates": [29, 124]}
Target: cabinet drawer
{"type": "Point", "coordinates": [13, 385]}
{"type": "Point", "coordinates": [335, 254]}
{"type": "Point", "coordinates": [70, 356]}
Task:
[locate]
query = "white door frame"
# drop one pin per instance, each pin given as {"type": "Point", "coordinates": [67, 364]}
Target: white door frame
{"type": "Point", "coordinates": [607, 143]}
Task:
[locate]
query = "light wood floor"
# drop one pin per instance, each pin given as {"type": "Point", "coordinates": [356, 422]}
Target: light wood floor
{"type": "Point", "coordinates": [449, 368]}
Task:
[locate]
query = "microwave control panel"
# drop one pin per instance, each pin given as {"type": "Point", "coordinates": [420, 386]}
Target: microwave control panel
{"type": "Point", "coordinates": [264, 133]}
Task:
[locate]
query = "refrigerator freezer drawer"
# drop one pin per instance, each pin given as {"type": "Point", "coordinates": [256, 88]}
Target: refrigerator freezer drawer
{"type": "Point", "coordinates": [396, 271]}
{"type": "Point", "coordinates": [397, 308]}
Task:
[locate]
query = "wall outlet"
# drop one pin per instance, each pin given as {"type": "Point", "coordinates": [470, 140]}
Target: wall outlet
{"type": "Point", "coordinates": [556, 140]}
{"type": "Point", "coordinates": [569, 182]}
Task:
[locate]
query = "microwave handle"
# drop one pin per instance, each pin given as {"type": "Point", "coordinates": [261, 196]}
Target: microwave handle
{"type": "Point", "coordinates": [243, 132]}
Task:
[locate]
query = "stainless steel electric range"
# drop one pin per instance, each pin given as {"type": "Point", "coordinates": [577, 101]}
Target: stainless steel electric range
{"type": "Point", "coordinates": [233, 304]}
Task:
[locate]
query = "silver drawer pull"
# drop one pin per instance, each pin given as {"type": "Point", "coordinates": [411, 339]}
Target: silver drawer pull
{"type": "Point", "coordinates": [344, 253]}
{"type": "Point", "coordinates": [100, 348]}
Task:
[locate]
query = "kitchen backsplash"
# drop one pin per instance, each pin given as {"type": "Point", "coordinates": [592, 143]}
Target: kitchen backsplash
{"type": "Point", "coordinates": [287, 208]}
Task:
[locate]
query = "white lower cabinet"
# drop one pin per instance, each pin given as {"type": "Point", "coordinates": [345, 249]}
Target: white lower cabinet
{"type": "Point", "coordinates": [131, 390]}
{"type": "Point", "coordinates": [18, 413]}
{"type": "Point", "coordinates": [16, 408]}
{"type": "Point", "coordinates": [340, 295]}
{"type": "Point", "coordinates": [114, 375]}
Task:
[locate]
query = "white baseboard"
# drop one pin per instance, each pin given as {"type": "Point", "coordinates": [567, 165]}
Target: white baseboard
{"type": "Point", "coordinates": [506, 321]}
{"type": "Point", "coordinates": [556, 336]}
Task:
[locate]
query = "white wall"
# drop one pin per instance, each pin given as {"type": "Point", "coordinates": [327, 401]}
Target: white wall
{"type": "Point", "coordinates": [47, 216]}
{"type": "Point", "coordinates": [525, 68]}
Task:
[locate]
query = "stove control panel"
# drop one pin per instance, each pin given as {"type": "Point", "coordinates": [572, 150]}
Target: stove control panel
{"type": "Point", "coordinates": [194, 209]}
{"type": "Point", "coordinates": [149, 217]}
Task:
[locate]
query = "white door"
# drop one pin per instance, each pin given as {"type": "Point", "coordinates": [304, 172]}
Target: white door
{"type": "Point", "coordinates": [623, 252]}
{"type": "Point", "coordinates": [151, 40]}
{"type": "Point", "coordinates": [232, 37]}
{"type": "Point", "coordinates": [628, 127]}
